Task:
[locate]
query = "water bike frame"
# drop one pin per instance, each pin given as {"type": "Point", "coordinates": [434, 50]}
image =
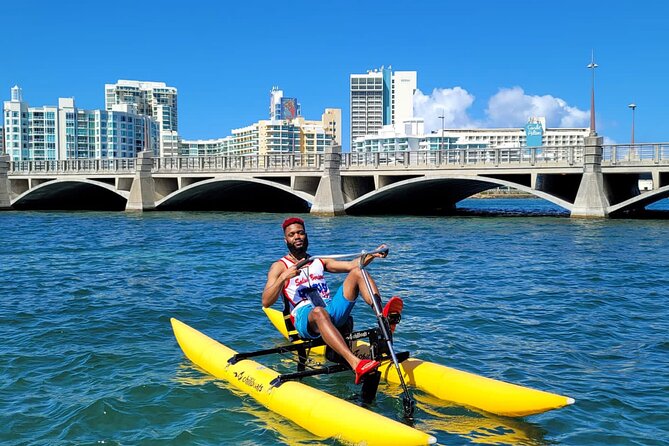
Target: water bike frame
{"type": "Point", "coordinates": [379, 338]}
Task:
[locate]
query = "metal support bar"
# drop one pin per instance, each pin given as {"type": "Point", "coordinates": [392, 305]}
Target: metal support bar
{"type": "Point", "coordinates": [356, 335]}
{"type": "Point", "coordinates": [327, 370]}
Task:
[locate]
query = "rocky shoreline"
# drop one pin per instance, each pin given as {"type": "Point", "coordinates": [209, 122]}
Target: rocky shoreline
{"type": "Point", "coordinates": [503, 194]}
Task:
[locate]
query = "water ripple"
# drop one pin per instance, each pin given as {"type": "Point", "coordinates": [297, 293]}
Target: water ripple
{"type": "Point", "coordinates": [575, 307]}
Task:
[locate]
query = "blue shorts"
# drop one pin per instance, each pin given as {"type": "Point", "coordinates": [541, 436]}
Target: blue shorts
{"type": "Point", "coordinates": [338, 306]}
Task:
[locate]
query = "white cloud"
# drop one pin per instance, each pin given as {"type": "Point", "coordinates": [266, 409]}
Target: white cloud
{"type": "Point", "coordinates": [510, 107]}
{"type": "Point", "coordinates": [452, 102]}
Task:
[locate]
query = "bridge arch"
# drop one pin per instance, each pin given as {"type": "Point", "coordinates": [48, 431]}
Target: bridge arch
{"type": "Point", "coordinates": [72, 194]}
{"type": "Point", "coordinates": [640, 201]}
{"type": "Point", "coordinates": [237, 194]}
{"type": "Point", "coordinates": [436, 194]}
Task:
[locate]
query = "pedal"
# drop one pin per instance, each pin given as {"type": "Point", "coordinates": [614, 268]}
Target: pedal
{"type": "Point", "coordinates": [370, 384]}
{"type": "Point", "coordinates": [392, 312]}
{"type": "Point", "coordinates": [394, 318]}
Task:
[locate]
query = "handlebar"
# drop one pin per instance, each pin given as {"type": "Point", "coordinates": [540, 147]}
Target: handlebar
{"type": "Point", "coordinates": [361, 254]}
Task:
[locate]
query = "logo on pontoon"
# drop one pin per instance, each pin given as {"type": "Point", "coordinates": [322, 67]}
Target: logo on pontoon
{"type": "Point", "coordinates": [249, 381]}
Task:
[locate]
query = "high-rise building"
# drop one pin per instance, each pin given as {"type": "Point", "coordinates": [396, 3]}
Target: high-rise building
{"type": "Point", "coordinates": [153, 99]}
{"type": "Point", "coordinates": [65, 132]}
{"type": "Point", "coordinates": [16, 125]}
{"type": "Point", "coordinates": [380, 97]}
{"type": "Point", "coordinates": [281, 107]}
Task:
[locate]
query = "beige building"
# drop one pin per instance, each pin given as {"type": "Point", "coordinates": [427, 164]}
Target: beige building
{"type": "Point", "coordinates": [267, 137]}
{"type": "Point", "coordinates": [331, 120]}
{"type": "Point", "coordinates": [272, 136]}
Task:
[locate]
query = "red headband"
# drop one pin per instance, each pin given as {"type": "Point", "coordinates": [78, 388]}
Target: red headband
{"type": "Point", "coordinates": [291, 221]}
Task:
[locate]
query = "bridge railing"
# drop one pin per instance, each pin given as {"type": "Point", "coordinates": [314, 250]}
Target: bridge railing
{"type": "Point", "coordinates": [527, 156]}
{"type": "Point", "coordinates": [615, 154]}
{"type": "Point", "coordinates": [245, 163]}
{"type": "Point", "coordinates": [559, 156]}
{"type": "Point", "coordinates": [73, 166]}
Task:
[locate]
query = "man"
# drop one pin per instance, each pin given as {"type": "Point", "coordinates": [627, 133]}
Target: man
{"type": "Point", "coordinates": [314, 311]}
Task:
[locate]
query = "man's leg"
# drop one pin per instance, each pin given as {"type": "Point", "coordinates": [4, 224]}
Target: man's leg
{"type": "Point", "coordinates": [320, 318]}
{"type": "Point", "coordinates": [354, 284]}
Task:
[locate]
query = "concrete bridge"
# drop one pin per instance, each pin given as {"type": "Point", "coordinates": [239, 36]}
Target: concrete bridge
{"type": "Point", "coordinates": [590, 180]}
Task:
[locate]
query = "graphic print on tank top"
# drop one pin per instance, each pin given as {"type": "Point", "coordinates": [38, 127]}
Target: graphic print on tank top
{"type": "Point", "coordinates": [308, 285]}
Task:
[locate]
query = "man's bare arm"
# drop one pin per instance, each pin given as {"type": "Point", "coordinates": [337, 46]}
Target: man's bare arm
{"type": "Point", "coordinates": [340, 266]}
{"type": "Point", "coordinates": [276, 278]}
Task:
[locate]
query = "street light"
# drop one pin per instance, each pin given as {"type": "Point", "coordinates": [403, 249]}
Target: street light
{"type": "Point", "coordinates": [633, 107]}
{"type": "Point", "coordinates": [592, 65]}
{"type": "Point", "coordinates": [443, 115]}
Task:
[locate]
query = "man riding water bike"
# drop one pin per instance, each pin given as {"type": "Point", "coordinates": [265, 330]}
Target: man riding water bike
{"type": "Point", "coordinates": [313, 310]}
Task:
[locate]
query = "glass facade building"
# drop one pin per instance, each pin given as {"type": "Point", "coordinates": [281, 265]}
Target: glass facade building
{"type": "Point", "coordinates": [154, 99]}
{"type": "Point", "coordinates": [65, 132]}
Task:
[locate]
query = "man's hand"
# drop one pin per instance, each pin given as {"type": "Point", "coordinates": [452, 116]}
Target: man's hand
{"type": "Point", "coordinates": [383, 254]}
{"type": "Point", "coordinates": [289, 273]}
{"type": "Point", "coordinates": [369, 257]}
{"type": "Point", "coordinates": [276, 278]}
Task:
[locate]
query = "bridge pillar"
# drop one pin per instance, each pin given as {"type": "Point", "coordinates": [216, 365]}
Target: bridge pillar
{"type": "Point", "coordinates": [5, 202]}
{"type": "Point", "coordinates": [329, 199]}
{"type": "Point", "coordinates": [143, 189]}
{"type": "Point", "coordinates": [655, 175]}
{"type": "Point", "coordinates": [591, 198]}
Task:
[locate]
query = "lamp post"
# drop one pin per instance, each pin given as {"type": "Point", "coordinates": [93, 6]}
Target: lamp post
{"type": "Point", "coordinates": [592, 65]}
{"type": "Point", "coordinates": [633, 107]}
{"type": "Point", "coordinates": [442, 117]}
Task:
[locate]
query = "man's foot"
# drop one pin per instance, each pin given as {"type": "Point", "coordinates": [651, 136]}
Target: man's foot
{"type": "Point", "coordinates": [394, 307]}
{"type": "Point", "coordinates": [364, 367]}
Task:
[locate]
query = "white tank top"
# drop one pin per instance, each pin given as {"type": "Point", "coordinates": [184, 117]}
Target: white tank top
{"type": "Point", "coordinates": [311, 276]}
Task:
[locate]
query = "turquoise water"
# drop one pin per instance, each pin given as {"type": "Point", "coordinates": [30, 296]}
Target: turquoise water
{"type": "Point", "coordinates": [569, 306]}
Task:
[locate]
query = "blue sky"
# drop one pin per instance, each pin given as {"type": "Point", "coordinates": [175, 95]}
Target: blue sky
{"type": "Point", "coordinates": [486, 63]}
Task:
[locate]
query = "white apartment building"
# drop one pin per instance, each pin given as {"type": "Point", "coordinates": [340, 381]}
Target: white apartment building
{"type": "Point", "coordinates": [16, 125]}
{"type": "Point", "coordinates": [153, 99]}
{"type": "Point", "coordinates": [411, 136]}
{"type": "Point", "coordinates": [404, 85]}
{"type": "Point", "coordinates": [206, 147]}
{"type": "Point", "coordinates": [65, 132]}
{"type": "Point", "coordinates": [514, 137]}
{"type": "Point", "coordinates": [380, 97]}
{"type": "Point", "coordinates": [390, 138]}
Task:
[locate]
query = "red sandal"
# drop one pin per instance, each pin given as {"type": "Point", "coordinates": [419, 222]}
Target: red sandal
{"type": "Point", "coordinates": [364, 367]}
